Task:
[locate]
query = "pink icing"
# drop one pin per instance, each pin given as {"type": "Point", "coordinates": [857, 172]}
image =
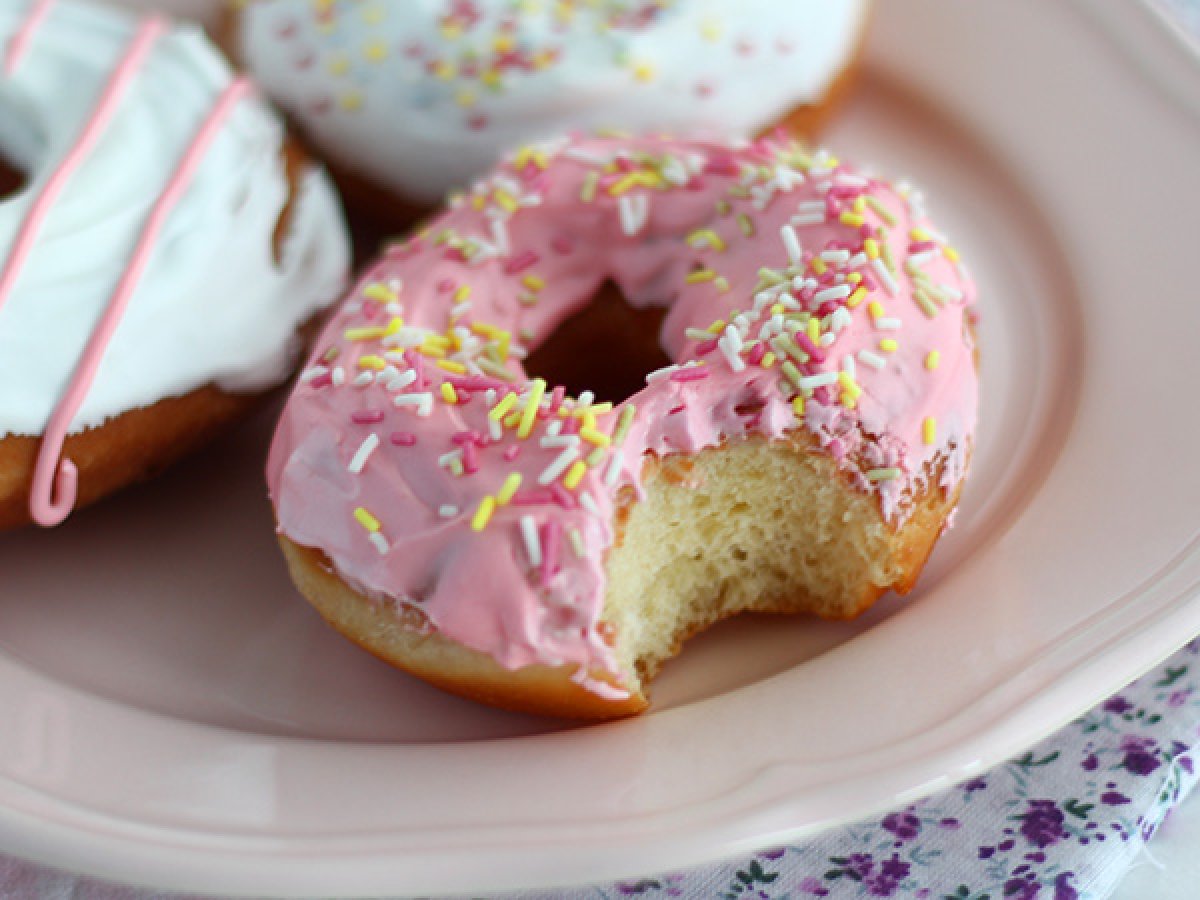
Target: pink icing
{"type": "Point", "coordinates": [727, 237]}
{"type": "Point", "coordinates": [54, 478]}
{"type": "Point", "coordinates": [19, 43]}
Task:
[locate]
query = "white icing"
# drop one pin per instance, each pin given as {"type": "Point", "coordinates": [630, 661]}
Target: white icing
{"type": "Point", "coordinates": [349, 74]}
{"type": "Point", "coordinates": [213, 304]}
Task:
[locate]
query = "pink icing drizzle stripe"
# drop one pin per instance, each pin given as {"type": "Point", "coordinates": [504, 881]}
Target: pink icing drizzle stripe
{"type": "Point", "coordinates": [45, 509]}
{"type": "Point", "coordinates": [18, 44]}
{"type": "Point", "coordinates": [135, 54]}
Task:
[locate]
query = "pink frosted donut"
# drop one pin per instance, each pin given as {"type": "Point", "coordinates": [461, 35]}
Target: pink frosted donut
{"type": "Point", "coordinates": [545, 552]}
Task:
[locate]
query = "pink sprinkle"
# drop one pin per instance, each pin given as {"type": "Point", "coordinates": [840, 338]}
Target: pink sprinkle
{"type": "Point", "coordinates": [706, 347]}
{"type": "Point", "coordinates": [823, 395]}
{"type": "Point", "coordinates": [321, 381]}
{"type": "Point", "coordinates": [756, 354]}
{"type": "Point", "coordinates": [561, 244]}
{"type": "Point", "coordinates": [570, 425]}
{"type": "Point", "coordinates": [869, 281]}
{"type": "Point", "coordinates": [556, 398]}
{"type": "Point", "coordinates": [695, 184]}
{"type": "Point", "coordinates": [512, 452]}
{"type": "Point", "coordinates": [563, 497]}
{"type": "Point", "coordinates": [836, 449]}
{"type": "Point", "coordinates": [370, 310]}
{"type": "Point", "coordinates": [866, 231]}
{"type": "Point", "coordinates": [721, 165]}
{"type": "Point", "coordinates": [699, 373]}
{"type": "Point", "coordinates": [805, 343]}
{"type": "Point", "coordinates": [624, 164]}
{"type": "Point", "coordinates": [476, 383]}
{"type": "Point", "coordinates": [832, 208]}
{"type": "Point", "coordinates": [470, 457]}
{"type": "Point", "coordinates": [403, 438]}
{"type": "Point", "coordinates": [921, 246]}
{"type": "Point", "coordinates": [551, 540]}
{"type": "Point", "coordinates": [521, 262]}
{"type": "Point", "coordinates": [416, 362]}
{"type": "Point", "coordinates": [454, 254]}
{"type": "Point", "coordinates": [367, 416]}
{"type": "Point", "coordinates": [466, 437]}
{"type": "Point", "coordinates": [826, 308]}
{"type": "Point", "coordinates": [845, 191]}
{"type": "Point", "coordinates": [538, 497]}
{"type": "Point", "coordinates": [445, 286]}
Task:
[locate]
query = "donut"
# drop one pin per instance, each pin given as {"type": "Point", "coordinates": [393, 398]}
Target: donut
{"type": "Point", "coordinates": [420, 97]}
{"type": "Point", "coordinates": [159, 259]}
{"type": "Point", "coordinates": [545, 550]}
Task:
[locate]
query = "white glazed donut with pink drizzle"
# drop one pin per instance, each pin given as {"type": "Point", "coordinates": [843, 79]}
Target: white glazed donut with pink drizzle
{"type": "Point", "coordinates": [158, 248]}
{"type": "Point", "coordinates": [422, 96]}
{"type": "Point", "coordinates": [504, 540]}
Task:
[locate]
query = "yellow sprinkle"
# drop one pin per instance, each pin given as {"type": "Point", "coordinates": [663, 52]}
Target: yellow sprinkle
{"type": "Point", "coordinates": [339, 65]}
{"type": "Point", "coordinates": [871, 246]}
{"type": "Point", "coordinates": [505, 201]}
{"type": "Point", "coordinates": [716, 327]}
{"type": "Point", "coordinates": [920, 234]}
{"type": "Point", "coordinates": [859, 205]}
{"type": "Point", "coordinates": [929, 429]}
{"type": "Point", "coordinates": [746, 224]}
{"type": "Point", "coordinates": [596, 409]}
{"type": "Point", "coordinates": [439, 340]}
{"type": "Point", "coordinates": [500, 410]}
{"type": "Point", "coordinates": [882, 211]}
{"type": "Point", "coordinates": [433, 350]}
{"type": "Point", "coordinates": [950, 253]}
{"type": "Point", "coordinates": [379, 291]}
{"type": "Point", "coordinates": [375, 51]}
{"type": "Point", "coordinates": [503, 42]}
{"type": "Point", "coordinates": [512, 419]}
{"type": "Point", "coordinates": [643, 72]}
{"type": "Point", "coordinates": [791, 373]}
{"type": "Point", "coordinates": [814, 329]}
{"type": "Point", "coordinates": [371, 361]}
{"type": "Point", "coordinates": [366, 520]}
{"type": "Point", "coordinates": [588, 192]}
{"type": "Point", "coordinates": [889, 345]}
{"type": "Point", "coordinates": [852, 219]}
{"type": "Point", "coordinates": [848, 400]}
{"type": "Point", "coordinates": [848, 385]}
{"type": "Point", "coordinates": [932, 358]}
{"type": "Point", "coordinates": [534, 283]}
{"type": "Point", "coordinates": [768, 360]}
{"type": "Point", "coordinates": [854, 277]}
{"type": "Point", "coordinates": [592, 436]}
{"type": "Point", "coordinates": [508, 489]}
{"type": "Point", "coordinates": [818, 265]}
{"type": "Point", "coordinates": [444, 70]}
{"type": "Point", "coordinates": [596, 457]}
{"type": "Point", "coordinates": [722, 284]}
{"type": "Point", "coordinates": [856, 297]}
{"type": "Point", "coordinates": [463, 292]}
{"type": "Point", "coordinates": [369, 333]}
{"type": "Point", "coordinates": [483, 514]}
{"type": "Point", "coordinates": [875, 308]}
{"type": "Point", "coordinates": [537, 388]}
{"type": "Point", "coordinates": [448, 393]}
{"type": "Point", "coordinates": [700, 276]}
{"type": "Point", "coordinates": [623, 424]}
{"type": "Point", "coordinates": [451, 365]}
{"type": "Point", "coordinates": [575, 474]}
{"type": "Point", "coordinates": [710, 29]}
{"type": "Point", "coordinates": [702, 237]}
{"type": "Point", "coordinates": [798, 406]}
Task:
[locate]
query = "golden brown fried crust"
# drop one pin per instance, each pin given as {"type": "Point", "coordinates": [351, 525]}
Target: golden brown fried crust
{"type": "Point", "coordinates": [139, 443]}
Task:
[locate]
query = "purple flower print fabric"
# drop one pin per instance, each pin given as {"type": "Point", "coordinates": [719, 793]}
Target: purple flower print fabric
{"type": "Point", "coordinates": [1060, 822]}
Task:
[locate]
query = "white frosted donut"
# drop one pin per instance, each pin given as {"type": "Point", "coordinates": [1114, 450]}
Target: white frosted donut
{"type": "Point", "coordinates": [155, 183]}
{"type": "Point", "coordinates": [423, 95]}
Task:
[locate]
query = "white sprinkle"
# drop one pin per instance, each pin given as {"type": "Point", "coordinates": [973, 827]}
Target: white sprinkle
{"type": "Point", "coordinates": [837, 292]}
{"type": "Point", "coordinates": [885, 276]}
{"type": "Point", "coordinates": [407, 336]}
{"type": "Point", "coordinates": [447, 511]}
{"type": "Point", "coordinates": [500, 236]}
{"type": "Point", "coordinates": [697, 334]}
{"type": "Point", "coordinates": [813, 218]}
{"type": "Point", "coordinates": [613, 472]}
{"type": "Point", "coordinates": [951, 292]}
{"type": "Point", "coordinates": [589, 503]}
{"type": "Point", "coordinates": [792, 244]}
{"type": "Point", "coordinates": [919, 259]}
{"type": "Point", "coordinates": [338, 376]}
{"type": "Point", "coordinates": [822, 379]}
{"type": "Point", "coordinates": [837, 257]}
{"type": "Point", "coordinates": [588, 158]}
{"type": "Point", "coordinates": [365, 449]}
{"type": "Point", "coordinates": [839, 319]}
{"type": "Point", "coordinates": [576, 540]}
{"type": "Point", "coordinates": [634, 209]}
{"type": "Point", "coordinates": [554, 429]}
{"type": "Point", "coordinates": [857, 261]}
{"type": "Point", "coordinates": [851, 180]}
{"type": "Point", "coordinates": [495, 429]}
{"type": "Point", "coordinates": [362, 379]}
{"type": "Point", "coordinates": [561, 463]}
{"type": "Point", "coordinates": [888, 324]}
{"type": "Point", "coordinates": [447, 458]}
{"type": "Point", "coordinates": [558, 441]}
{"type": "Point", "coordinates": [664, 372]}
{"type": "Point", "coordinates": [736, 363]}
{"type": "Point", "coordinates": [848, 365]}
{"type": "Point", "coordinates": [314, 372]}
{"type": "Point", "coordinates": [827, 339]}
{"type": "Point", "coordinates": [874, 360]}
{"type": "Point", "coordinates": [587, 398]}
{"type": "Point", "coordinates": [533, 544]}
{"type": "Point", "coordinates": [401, 380]}
{"type": "Point", "coordinates": [422, 401]}
{"type": "Point", "coordinates": [380, 542]}
{"type": "Point", "coordinates": [459, 310]}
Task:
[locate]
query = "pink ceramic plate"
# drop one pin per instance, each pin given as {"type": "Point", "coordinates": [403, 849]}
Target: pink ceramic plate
{"type": "Point", "coordinates": [173, 714]}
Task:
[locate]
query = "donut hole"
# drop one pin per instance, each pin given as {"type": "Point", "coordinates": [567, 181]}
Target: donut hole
{"type": "Point", "coordinates": [608, 348]}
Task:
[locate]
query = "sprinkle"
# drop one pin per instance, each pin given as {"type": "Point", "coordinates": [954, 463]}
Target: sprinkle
{"type": "Point", "coordinates": [450, 365]}
{"type": "Point", "coordinates": [623, 424]}
{"type": "Point", "coordinates": [501, 409]}
{"type": "Point", "coordinates": [888, 324]}
{"type": "Point", "coordinates": [876, 310]}
{"type": "Point", "coordinates": [633, 211]}
{"type": "Point", "coordinates": [889, 345]}
{"type": "Point", "coordinates": [871, 248]}
{"type": "Point", "coordinates": [818, 265]}
{"type": "Point", "coordinates": [929, 430]}
{"type": "Point", "coordinates": [508, 489]}
{"type": "Point", "coordinates": [798, 406]}
{"type": "Point", "coordinates": [447, 511]}
{"type": "Point", "coordinates": [447, 391]}
{"type": "Point", "coordinates": [821, 379]}
{"type": "Point", "coordinates": [792, 374]}
{"type": "Point", "coordinates": [883, 474]}
{"type": "Point", "coordinates": [560, 465]}
{"type": "Point", "coordinates": [368, 333]}
{"type": "Point", "coordinates": [856, 297]}
{"type": "Point", "coordinates": [849, 386]}
{"type": "Point", "coordinates": [366, 416]}
{"type": "Point", "coordinates": [380, 543]}
{"type": "Point", "coordinates": [577, 543]}
{"type": "Point", "coordinates": [366, 520]}
{"type": "Point", "coordinates": [533, 546]}
{"type": "Point", "coordinates": [483, 514]}
{"type": "Point", "coordinates": [837, 292]}
{"type": "Point", "coordinates": [885, 276]}
{"type": "Point", "coordinates": [882, 211]}
{"type": "Point", "coordinates": [422, 401]}
{"type": "Point", "coordinates": [588, 502]}
{"type": "Point", "coordinates": [931, 360]}
{"type": "Point", "coordinates": [590, 181]}
{"type": "Point", "coordinates": [534, 283]}
{"type": "Point", "coordinates": [874, 360]}
{"type": "Point", "coordinates": [379, 292]}
{"type": "Point", "coordinates": [537, 388]}
{"type": "Point", "coordinates": [595, 437]}
{"type": "Point", "coordinates": [363, 379]}
{"type": "Point", "coordinates": [927, 306]}
{"type": "Point", "coordinates": [852, 219]}
{"type": "Point", "coordinates": [950, 253]}
{"type": "Point", "coordinates": [403, 438]}
{"type": "Point", "coordinates": [700, 276]}
{"type": "Point", "coordinates": [575, 474]}
{"type": "Point", "coordinates": [792, 243]}
{"type": "Point", "coordinates": [365, 449]}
